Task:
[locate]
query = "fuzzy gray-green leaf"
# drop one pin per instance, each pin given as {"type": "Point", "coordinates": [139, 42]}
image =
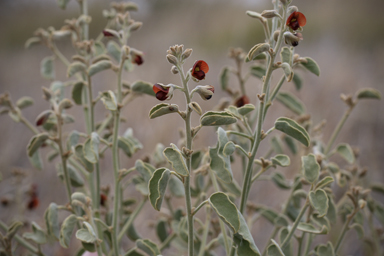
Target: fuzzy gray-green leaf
{"type": "Point", "coordinates": [220, 162]}
{"type": "Point", "coordinates": [76, 67]}
{"type": "Point", "coordinates": [148, 246]}
{"type": "Point", "coordinates": [163, 109]}
{"type": "Point", "coordinates": [24, 102]}
{"type": "Point", "coordinates": [77, 91]}
{"type": "Point", "coordinates": [309, 228]}
{"type": "Point", "coordinates": [258, 71]}
{"type": "Point", "coordinates": [291, 102]}
{"type": "Point", "coordinates": [47, 69]}
{"type": "Point", "coordinates": [286, 55]}
{"type": "Point", "coordinates": [109, 100]}
{"type": "Point", "coordinates": [99, 66]}
{"type": "Point", "coordinates": [157, 186]}
{"type": "Point", "coordinates": [226, 210]}
{"type": "Point", "coordinates": [310, 167]}
{"type": "Point", "coordinates": [274, 249]}
{"type": "Point", "coordinates": [324, 182]}
{"type": "Point", "coordinates": [38, 235]}
{"type": "Point", "coordinates": [91, 148]}
{"type": "Point", "coordinates": [368, 93]}
{"type": "Point", "coordinates": [224, 77]}
{"type": "Point", "coordinates": [311, 66]}
{"type": "Point", "coordinates": [293, 129]}
{"type": "Point", "coordinates": [319, 201]}
{"type": "Point", "coordinates": [297, 81]}
{"type": "Point", "coordinates": [359, 229]}
{"type": "Point", "coordinates": [143, 87]}
{"type": "Point", "coordinates": [79, 154]}
{"type": "Point", "coordinates": [325, 250]}
{"type": "Point", "coordinates": [280, 180]}
{"type": "Point", "coordinates": [288, 73]}
{"type": "Point", "coordinates": [67, 229]}
{"type": "Point", "coordinates": [346, 152]}
{"type": "Point", "coordinates": [84, 235]}
{"type": "Point", "coordinates": [213, 118]}
{"type": "Point", "coordinates": [36, 142]}
{"type": "Point", "coordinates": [281, 160]}
{"type": "Point", "coordinates": [176, 159]}
{"type": "Point", "coordinates": [52, 220]}
{"type": "Point", "coordinates": [256, 50]}
{"type": "Point", "coordinates": [243, 239]}
{"type": "Point", "coordinates": [246, 109]}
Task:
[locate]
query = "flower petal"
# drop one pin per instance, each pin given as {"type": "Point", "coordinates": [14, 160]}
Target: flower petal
{"type": "Point", "coordinates": [301, 19]}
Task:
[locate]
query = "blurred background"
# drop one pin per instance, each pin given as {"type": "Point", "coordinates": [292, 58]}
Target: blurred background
{"type": "Point", "coordinates": [346, 39]}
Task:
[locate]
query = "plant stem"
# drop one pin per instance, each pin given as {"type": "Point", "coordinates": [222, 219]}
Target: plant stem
{"type": "Point", "coordinates": [116, 165]}
{"type": "Point", "coordinates": [345, 229]}
{"type": "Point", "coordinates": [293, 229]}
{"type": "Point", "coordinates": [167, 241]}
{"type": "Point", "coordinates": [206, 231]}
{"type": "Point", "coordinates": [337, 130]}
{"type": "Point", "coordinates": [131, 219]}
{"type": "Point", "coordinates": [187, 187]}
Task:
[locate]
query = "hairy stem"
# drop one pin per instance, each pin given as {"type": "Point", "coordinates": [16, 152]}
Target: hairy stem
{"type": "Point", "coordinates": [131, 219]}
{"type": "Point", "coordinates": [345, 229]}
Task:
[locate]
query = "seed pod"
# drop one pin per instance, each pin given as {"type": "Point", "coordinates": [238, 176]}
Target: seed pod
{"type": "Point", "coordinates": [172, 59]}
{"type": "Point", "coordinates": [270, 14]}
{"type": "Point", "coordinates": [276, 35]}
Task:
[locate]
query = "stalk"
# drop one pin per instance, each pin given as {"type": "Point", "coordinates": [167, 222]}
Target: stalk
{"type": "Point", "coordinates": [293, 229]}
{"type": "Point", "coordinates": [131, 219]}
{"type": "Point", "coordinates": [206, 231]}
{"type": "Point", "coordinates": [345, 229]}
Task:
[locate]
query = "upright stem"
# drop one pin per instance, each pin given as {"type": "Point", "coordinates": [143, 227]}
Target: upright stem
{"type": "Point", "coordinates": [293, 229]}
{"type": "Point", "coordinates": [337, 130]}
{"type": "Point", "coordinates": [131, 219]}
{"type": "Point", "coordinates": [206, 231]}
{"type": "Point", "coordinates": [345, 229]}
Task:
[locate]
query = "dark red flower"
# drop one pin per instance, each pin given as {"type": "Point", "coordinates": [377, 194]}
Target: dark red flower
{"type": "Point", "coordinates": [200, 68]}
{"type": "Point", "coordinates": [138, 59]}
{"type": "Point", "coordinates": [296, 20]}
{"type": "Point", "coordinates": [33, 203]}
{"type": "Point", "coordinates": [107, 33]}
{"type": "Point", "coordinates": [103, 199]}
{"type": "Point", "coordinates": [163, 92]}
{"type": "Point", "coordinates": [242, 101]}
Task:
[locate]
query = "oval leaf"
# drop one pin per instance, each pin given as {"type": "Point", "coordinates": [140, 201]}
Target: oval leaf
{"type": "Point", "coordinates": [91, 148]}
{"type": "Point", "coordinates": [224, 78]}
{"type": "Point", "coordinates": [163, 109]}
{"type": "Point", "coordinates": [143, 87]}
{"type": "Point", "coordinates": [246, 109]}
{"type": "Point", "coordinates": [36, 142]}
{"type": "Point", "coordinates": [212, 118]}
{"type": "Point", "coordinates": [281, 160]}
{"type": "Point", "coordinates": [291, 102]}
{"type": "Point", "coordinates": [288, 73]}
{"type": "Point", "coordinates": [226, 210]}
{"type": "Point", "coordinates": [243, 239]}
{"type": "Point", "coordinates": [286, 55]}
{"type": "Point", "coordinates": [99, 66]}
{"type": "Point", "coordinates": [78, 151]}
{"type": "Point", "coordinates": [346, 152]}
{"type": "Point", "coordinates": [109, 100]}
{"type": "Point", "coordinates": [324, 182]}
{"type": "Point", "coordinates": [47, 69]}
{"type": "Point", "coordinates": [325, 250]}
{"type": "Point", "coordinates": [148, 246]}
{"type": "Point", "coordinates": [280, 180]}
{"type": "Point", "coordinates": [274, 249]}
{"type": "Point", "coordinates": [52, 220]}
{"type": "Point", "coordinates": [311, 66]}
{"type": "Point", "coordinates": [67, 230]}
{"type": "Point", "coordinates": [24, 102]}
{"type": "Point", "coordinates": [256, 50]}
{"type": "Point", "coordinates": [76, 67]}
{"type": "Point", "coordinates": [77, 91]}
{"type": "Point", "coordinates": [368, 93]}
{"type": "Point", "coordinates": [311, 168]}
{"type": "Point", "coordinates": [157, 185]}
{"type": "Point", "coordinates": [196, 107]}
{"type": "Point", "coordinates": [176, 159]}
{"type": "Point", "coordinates": [319, 201]}
{"type": "Point", "coordinates": [293, 129]}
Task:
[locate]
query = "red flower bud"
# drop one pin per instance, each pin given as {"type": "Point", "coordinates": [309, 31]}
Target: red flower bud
{"type": "Point", "coordinates": [200, 68]}
{"type": "Point", "coordinates": [103, 199]}
{"type": "Point", "coordinates": [137, 60]}
{"type": "Point", "coordinates": [296, 20]}
{"type": "Point", "coordinates": [242, 101]}
{"type": "Point", "coordinates": [33, 203]}
{"type": "Point", "coordinates": [163, 92]}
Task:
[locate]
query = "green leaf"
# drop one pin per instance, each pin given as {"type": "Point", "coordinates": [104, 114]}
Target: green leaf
{"type": "Point", "coordinates": [325, 250]}
{"type": "Point", "coordinates": [157, 186]}
{"type": "Point", "coordinates": [132, 232]}
{"type": "Point", "coordinates": [114, 50]}
{"type": "Point", "coordinates": [161, 230]}
{"type": "Point", "coordinates": [283, 234]}
{"type": "Point", "coordinates": [47, 69]}
{"type": "Point", "coordinates": [24, 102]}
{"type": "Point", "coordinates": [62, 3]}
{"type": "Point", "coordinates": [148, 246]}
{"type": "Point", "coordinates": [359, 229]}
{"type": "Point", "coordinates": [224, 78]}
{"type": "Point", "coordinates": [274, 249]}
{"type": "Point", "coordinates": [67, 230]}
{"type": "Point", "coordinates": [144, 169]}
{"type": "Point", "coordinates": [319, 201]}
{"type": "Point", "coordinates": [256, 50]}
{"type": "Point", "coordinates": [346, 152]}
{"type": "Point", "coordinates": [288, 73]}
{"type": "Point", "coordinates": [99, 66]}
{"type": "Point", "coordinates": [258, 71]}
{"type": "Point", "coordinates": [377, 187]}
{"type": "Point", "coordinates": [142, 87]}
{"type": "Point", "coordinates": [293, 129]}
{"type": "Point", "coordinates": [244, 240]}
{"type": "Point", "coordinates": [324, 182]}
{"type": "Point", "coordinates": [133, 252]}
{"type": "Point", "coordinates": [75, 178]}
{"type": "Point", "coordinates": [280, 180]}
{"type": "Point", "coordinates": [273, 217]}
{"type": "Point", "coordinates": [309, 228]}
{"type": "Point", "coordinates": [176, 187]}
{"type": "Point", "coordinates": [176, 159]}
{"type": "Point", "coordinates": [286, 55]}
{"type": "Point", "coordinates": [90, 247]}
{"type": "Point", "coordinates": [13, 228]}
{"type": "Point", "coordinates": [109, 100]}
{"type": "Point", "coordinates": [196, 107]}
{"type": "Point", "coordinates": [297, 81]}
{"type": "Point", "coordinates": [36, 142]}
{"type": "Point", "coordinates": [38, 235]}
{"type": "Point", "coordinates": [226, 210]}
{"type": "Point", "coordinates": [163, 109]}
{"type": "Point", "coordinates": [84, 235]}
{"type": "Point", "coordinates": [291, 102]}
{"type": "Point", "coordinates": [247, 108]}
{"type": "Point", "coordinates": [368, 93]}
{"type": "Point", "coordinates": [311, 66]}
{"type": "Point", "coordinates": [220, 160]}
{"type": "Point", "coordinates": [276, 145]}
{"type": "Point", "coordinates": [73, 139]}
{"type": "Point", "coordinates": [311, 168]}
{"type": "Point", "coordinates": [213, 118]}
{"type": "Point", "coordinates": [332, 211]}
{"type": "Point", "coordinates": [52, 220]}
{"type": "Point", "coordinates": [379, 212]}
{"type": "Point", "coordinates": [281, 160]}
{"type": "Point", "coordinates": [76, 67]}
{"type": "Point", "coordinates": [91, 148]}
{"type": "Point", "coordinates": [291, 144]}
{"type": "Point", "coordinates": [77, 91]}
{"type": "Point", "coordinates": [78, 151]}
{"type": "Point", "coordinates": [35, 160]}
{"type": "Point", "coordinates": [99, 48]}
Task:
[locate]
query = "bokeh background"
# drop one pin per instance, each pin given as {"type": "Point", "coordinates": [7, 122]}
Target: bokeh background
{"type": "Point", "coordinates": [346, 38]}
